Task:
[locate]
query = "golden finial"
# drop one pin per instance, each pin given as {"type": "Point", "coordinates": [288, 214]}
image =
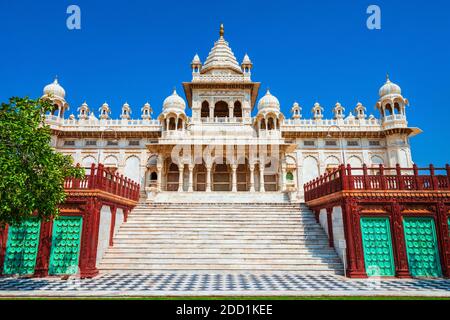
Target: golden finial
{"type": "Point", "coordinates": [222, 31]}
{"type": "Point", "coordinates": [387, 77]}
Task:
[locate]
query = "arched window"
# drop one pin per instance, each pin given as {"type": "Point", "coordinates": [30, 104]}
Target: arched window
{"type": "Point", "coordinates": [290, 176]}
{"type": "Point", "coordinates": [263, 124]}
{"type": "Point", "coordinates": [153, 176]}
{"type": "Point", "coordinates": [180, 124]}
{"type": "Point", "coordinates": [237, 111]}
{"type": "Point", "coordinates": [221, 109]}
{"type": "Point", "coordinates": [172, 125]}
{"type": "Point", "coordinates": [388, 109]}
{"type": "Point", "coordinates": [397, 108]}
{"type": "Point", "coordinates": [204, 113]}
{"type": "Point", "coordinates": [270, 124]}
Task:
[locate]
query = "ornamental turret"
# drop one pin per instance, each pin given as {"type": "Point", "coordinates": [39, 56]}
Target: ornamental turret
{"type": "Point", "coordinates": [126, 111]}
{"type": "Point", "coordinates": [196, 64]}
{"type": "Point", "coordinates": [246, 64]}
{"type": "Point", "coordinates": [173, 116]}
{"type": "Point", "coordinates": [296, 111]}
{"type": "Point", "coordinates": [55, 94]}
{"type": "Point", "coordinates": [269, 116]}
{"type": "Point", "coordinates": [392, 105]}
{"type": "Point", "coordinates": [360, 111]}
{"type": "Point", "coordinates": [317, 111]}
{"type": "Point", "coordinates": [146, 111]}
{"type": "Point", "coordinates": [338, 111]}
{"type": "Point", "coordinates": [83, 111]}
{"type": "Point", "coordinates": [104, 111]}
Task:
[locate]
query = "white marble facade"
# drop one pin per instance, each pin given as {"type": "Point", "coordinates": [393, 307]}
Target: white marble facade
{"type": "Point", "coordinates": [241, 131]}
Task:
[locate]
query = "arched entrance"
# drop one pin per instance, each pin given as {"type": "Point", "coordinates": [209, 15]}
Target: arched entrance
{"type": "Point", "coordinates": [173, 176]}
{"type": "Point", "coordinates": [270, 178]}
{"type": "Point", "coordinates": [200, 177]}
{"type": "Point", "coordinates": [221, 177]}
{"type": "Point", "coordinates": [243, 177]}
{"type": "Point", "coordinates": [204, 112]}
{"type": "Point", "coordinates": [237, 110]}
{"type": "Point", "coordinates": [221, 110]}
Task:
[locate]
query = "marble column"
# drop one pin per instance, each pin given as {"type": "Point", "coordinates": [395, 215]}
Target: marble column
{"type": "Point", "coordinates": [158, 181]}
{"type": "Point", "coordinates": [191, 178]}
{"type": "Point", "coordinates": [252, 178]}
{"type": "Point", "coordinates": [261, 180]}
{"type": "Point", "coordinates": [208, 178]}
{"type": "Point", "coordinates": [283, 179]}
{"type": "Point", "coordinates": [180, 180]}
{"type": "Point", "coordinates": [234, 177]}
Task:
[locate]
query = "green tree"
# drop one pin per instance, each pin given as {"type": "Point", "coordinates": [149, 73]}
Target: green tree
{"type": "Point", "coordinates": [32, 173]}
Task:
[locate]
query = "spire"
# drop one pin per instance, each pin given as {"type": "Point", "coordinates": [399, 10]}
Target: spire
{"type": "Point", "coordinates": [222, 30]}
{"type": "Point", "coordinates": [387, 78]}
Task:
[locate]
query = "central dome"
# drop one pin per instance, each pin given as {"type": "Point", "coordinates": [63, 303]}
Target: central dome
{"type": "Point", "coordinates": [268, 102]}
{"type": "Point", "coordinates": [221, 56]}
{"type": "Point", "coordinates": [54, 89]}
{"type": "Point", "coordinates": [389, 88]}
{"type": "Point", "coordinates": [174, 101]}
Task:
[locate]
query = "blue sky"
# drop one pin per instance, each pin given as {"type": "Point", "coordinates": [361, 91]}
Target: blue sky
{"type": "Point", "coordinates": [305, 51]}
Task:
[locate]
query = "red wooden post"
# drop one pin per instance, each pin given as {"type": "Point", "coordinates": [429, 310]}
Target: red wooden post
{"type": "Point", "coordinates": [3, 242]}
{"type": "Point", "coordinates": [447, 167]}
{"type": "Point", "coordinates": [366, 182]}
{"type": "Point", "coordinates": [350, 181]}
{"type": "Point", "coordinates": [113, 225]}
{"type": "Point", "coordinates": [44, 249]}
{"type": "Point", "coordinates": [91, 177]}
{"type": "Point", "coordinates": [401, 267]}
{"type": "Point", "coordinates": [330, 226]}
{"type": "Point", "coordinates": [433, 178]}
{"type": "Point", "coordinates": [89, 239]}
{"type": "Point", "coordinates": [398, 171]}
{"type": "Point", "coordinates": [416, 177]}
{"type": "Point", "coordinates": [343, 177]}
{"type": "Point", "coordinates": [443, 236]}
{"type": "Point", "coordinates": [382, 178]}
{"type": "Point", "coordinates": [353, 237]}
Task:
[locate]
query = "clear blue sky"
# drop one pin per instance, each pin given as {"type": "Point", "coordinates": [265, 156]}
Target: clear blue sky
{"type": "Point", "coordinates": [305, 51]}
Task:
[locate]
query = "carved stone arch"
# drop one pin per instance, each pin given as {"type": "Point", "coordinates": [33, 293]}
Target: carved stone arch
{"type": "Point", "coordinates": [204, 111]}
{"type": "Point", "coordinates": [237, 110]}
{"type": "Point", "coordinates": [221, 109]}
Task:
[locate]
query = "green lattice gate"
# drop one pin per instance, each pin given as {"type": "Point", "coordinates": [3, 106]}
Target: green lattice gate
{"type": "Point", "coordinates": [421, 247]}
{"type": "Point", "coordinates": [22, 248]}
{"type": "Point", "coordinates": [65, 245]}
{"type": "Point", "coordinates": [377, 245]}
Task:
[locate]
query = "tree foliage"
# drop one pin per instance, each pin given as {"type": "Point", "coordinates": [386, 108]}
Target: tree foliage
{"type": "Point", "coordinates": [32, 173]}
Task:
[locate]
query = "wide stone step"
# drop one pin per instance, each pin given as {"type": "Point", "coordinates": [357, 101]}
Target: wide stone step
{"type": "Point", "coordinates": [117, 251]}
{"type": "Point", "coordinates": [233, 245]}
{"type": "Point", "coordinates": [231, 232]}
{"type": "Point", "coordinates": [222, 267]}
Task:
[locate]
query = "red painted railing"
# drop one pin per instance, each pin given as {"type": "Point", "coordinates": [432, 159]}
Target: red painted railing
{"type": "Point", "coordinates": [378, 178]}
{"type": "Point", "coordinates": [104, 179]}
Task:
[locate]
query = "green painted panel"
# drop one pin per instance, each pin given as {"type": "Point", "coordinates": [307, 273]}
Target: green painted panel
{"type": "Point", "coordinates": [22, 247]}
{"type": "Point", "coordinates": [421, 247]}
{"type": "Point", "coordinates": [377, 245]}
{"type": "Point", "coordinates": [65, 245]}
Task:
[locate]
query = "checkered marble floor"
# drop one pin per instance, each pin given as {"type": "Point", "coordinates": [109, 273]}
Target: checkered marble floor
{"type": "Point", "coordinates": [198, 284]}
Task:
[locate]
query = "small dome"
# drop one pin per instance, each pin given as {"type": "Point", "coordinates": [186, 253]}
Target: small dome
{"type": "Point", "coordinates": [246, 60]}
{"type": "Point", "coordinates": [196, 60]}
{"type": "Point", "coordinates": [268, 101]}
{"type": "Point", "coordinates": [174, 101]}
{"type": "Point", "coordinates": [390, 88]}
{"type": "Point", "coordinates": [54, 89]}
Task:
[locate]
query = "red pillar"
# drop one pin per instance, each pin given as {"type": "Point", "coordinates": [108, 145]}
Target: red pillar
{"type": "Point", "coordinates": [113, 225]}
{"type": "Point", "coordinates": [399, 245]}
{"type": "Point", "coordinates": [3, 243]}
{"type": "Point", "coordinates": [330, 226]}
{"type": "Point", "coordinates": [44, 249]}
{"type": "Point", "coordinates": [352, 230]}
{"type": "Point", "coordinates": [89, 239]}
{"type": "Point", "coordinates": [443, 236]}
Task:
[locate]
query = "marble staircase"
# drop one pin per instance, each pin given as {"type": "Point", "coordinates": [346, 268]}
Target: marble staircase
{"type": "Point", "coordinates": [202, 237]}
